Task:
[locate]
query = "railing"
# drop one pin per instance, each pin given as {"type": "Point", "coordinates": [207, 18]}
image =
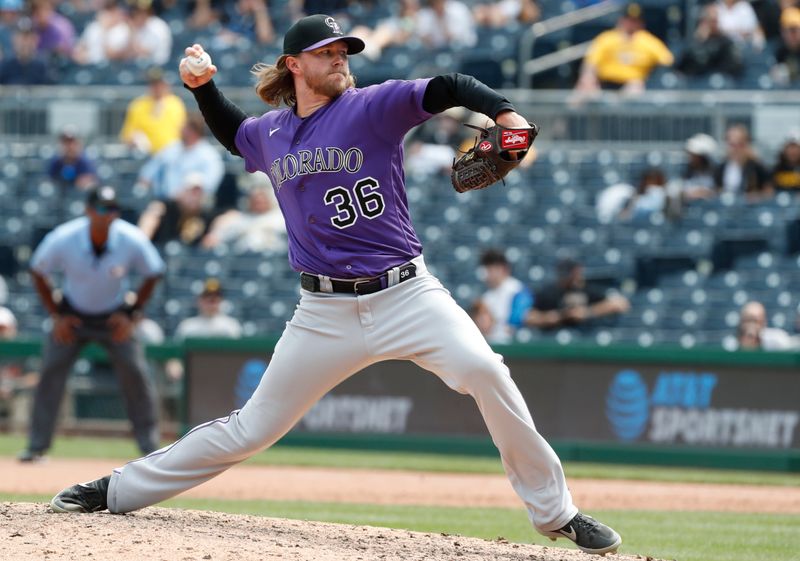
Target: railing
{"type": "Point", "coordinates": [528, 68]}
{"type": "Point", "coordinates": [659, 118]}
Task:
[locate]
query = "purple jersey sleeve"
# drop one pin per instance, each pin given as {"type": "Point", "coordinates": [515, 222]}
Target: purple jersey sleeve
{"type": "Point", "coordinates": [249, 144]}
{"type": "Point", "coordinates": [395, 107]}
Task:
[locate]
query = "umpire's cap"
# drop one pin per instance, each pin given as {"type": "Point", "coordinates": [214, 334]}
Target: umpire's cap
{"type": "Point", "coordinates": [103, 197]}
{"type": "Point", "coordinates": [313, 32]}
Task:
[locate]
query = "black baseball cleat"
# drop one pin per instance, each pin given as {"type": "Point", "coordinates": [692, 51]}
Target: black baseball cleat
{"type": "Point", "coordinates": [589, 535]}
{"type": "Point", "coordinates": [83, 497]}
{"type": "Point", "coordinates": [31, 456]}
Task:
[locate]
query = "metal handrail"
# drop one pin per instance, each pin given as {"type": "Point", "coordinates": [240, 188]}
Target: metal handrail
{"type": "Point", "coordinates": [557, 23]}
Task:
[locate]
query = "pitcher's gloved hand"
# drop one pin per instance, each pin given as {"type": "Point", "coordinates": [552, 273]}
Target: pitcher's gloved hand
{"type": "Point", "coordinates": [496, 152]}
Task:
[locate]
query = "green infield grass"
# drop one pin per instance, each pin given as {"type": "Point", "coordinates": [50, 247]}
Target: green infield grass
{"type": "Point", "coordinates": [279, 455]}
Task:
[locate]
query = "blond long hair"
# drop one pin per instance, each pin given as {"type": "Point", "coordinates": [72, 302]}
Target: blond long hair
{"type": "Point", "coordinates": [275, 82]}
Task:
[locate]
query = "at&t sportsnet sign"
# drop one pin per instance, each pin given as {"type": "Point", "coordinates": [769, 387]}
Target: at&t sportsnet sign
{"type": "Point", "coordinates": [680, 407]}
{"type": "Point", "coordinates": [573, 399]}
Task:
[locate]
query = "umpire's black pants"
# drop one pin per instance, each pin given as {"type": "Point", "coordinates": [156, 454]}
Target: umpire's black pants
{"type": "Point", "coordinates": [130, 366]}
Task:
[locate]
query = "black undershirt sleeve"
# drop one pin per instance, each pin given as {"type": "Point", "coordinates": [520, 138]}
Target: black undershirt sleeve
{"type": "Point", "coordinates": [461, 90]}
{"type": "Point", "coordinates": [222, 116]}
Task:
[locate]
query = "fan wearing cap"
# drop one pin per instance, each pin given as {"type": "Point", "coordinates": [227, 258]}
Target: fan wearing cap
{"type": "Point", "coordinates": [25, 66]}
{"type": "Point", "coordinates": [334, 155]}
{"type": "Point", "coordinates": [210, 322]}
{"type": "Point", "coordinates": [95, 255]}
{"type": "Point", "coordinates": [697, 179]}
{"type": "Point", "coordinates": [71, 167]}
{"type": "Point", "coordinates": [623, 57]}
{"type": "Point", "coordinates": [154, 119]}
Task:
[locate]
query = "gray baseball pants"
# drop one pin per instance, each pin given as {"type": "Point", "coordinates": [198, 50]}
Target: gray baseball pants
{"type": "Point", "coordinates": [330, 338]}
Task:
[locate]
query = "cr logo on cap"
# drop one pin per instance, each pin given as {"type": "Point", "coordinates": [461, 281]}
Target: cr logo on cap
{"type": "Point", "coordinates": [330, 22]}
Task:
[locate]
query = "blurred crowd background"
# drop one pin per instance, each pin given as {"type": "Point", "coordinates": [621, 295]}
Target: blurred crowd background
{"type": "Point", "coordinates": [660, 205]}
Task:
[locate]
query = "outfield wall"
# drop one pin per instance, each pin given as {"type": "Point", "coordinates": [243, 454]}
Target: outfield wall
{"type": "Point", "coordinates": [661, 405]}
{"type": "Point", "coordinates": [667, 405]}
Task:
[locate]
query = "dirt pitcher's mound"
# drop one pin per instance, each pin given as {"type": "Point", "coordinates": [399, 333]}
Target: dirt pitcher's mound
{"type": "Point", "coordinates": [31, 531]}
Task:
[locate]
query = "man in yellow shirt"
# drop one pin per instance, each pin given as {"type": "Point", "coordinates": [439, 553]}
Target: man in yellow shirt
{"type": "Point", "coordinates": [155, 119]}
{"type": "Point", "coordinates": [623, 57]}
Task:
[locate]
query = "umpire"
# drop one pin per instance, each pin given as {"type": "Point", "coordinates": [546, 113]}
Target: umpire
{"type": "Point", "coordinates": [95, 255]}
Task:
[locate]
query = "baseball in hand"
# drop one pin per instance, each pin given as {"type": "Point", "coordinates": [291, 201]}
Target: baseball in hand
{"type": "Point", "coordinates": [198, 64]}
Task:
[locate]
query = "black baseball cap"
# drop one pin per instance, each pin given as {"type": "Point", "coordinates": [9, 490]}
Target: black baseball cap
{"type": "Point", "coordinates": [104, 196]}
{"type": "Point", "coordinates": [313, 32]}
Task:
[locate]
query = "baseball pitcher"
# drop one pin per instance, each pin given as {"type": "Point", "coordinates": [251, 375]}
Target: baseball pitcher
{"type": "Point", "coordinates": [335, 158]}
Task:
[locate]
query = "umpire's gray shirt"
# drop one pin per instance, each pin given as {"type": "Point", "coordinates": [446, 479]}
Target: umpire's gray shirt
{"type": "Point", "coordinates": [96, 284]}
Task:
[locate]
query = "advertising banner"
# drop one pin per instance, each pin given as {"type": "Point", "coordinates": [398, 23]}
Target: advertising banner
{"type": "Point", "coordinates": [724, 406]}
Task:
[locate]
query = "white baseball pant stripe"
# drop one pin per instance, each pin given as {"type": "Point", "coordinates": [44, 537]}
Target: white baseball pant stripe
{"type": "Point", "coordinates": [333, 336]}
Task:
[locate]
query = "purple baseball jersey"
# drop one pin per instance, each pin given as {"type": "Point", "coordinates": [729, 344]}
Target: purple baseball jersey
{"type": "Point", "coordinates": [338, 177]}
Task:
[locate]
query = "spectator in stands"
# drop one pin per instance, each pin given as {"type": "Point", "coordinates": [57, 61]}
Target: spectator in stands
{"type": "Point", "coordinates": [742, 172]}
{"type": "Point", "coordinates": [394, 30]}
{"type": "Point", "coordinates": [8, 324]}
{"type": "Point", "coordinates": [649, 199]}
{"type": "Point", "coordinates": [56, 33]}
{"type": "Point", "coordinates": [10, 11]}
{"type": "Point", "coordinates": [25, 66]}
{"type": "Point", "coordinates": [786, 173]}
{"type": "Point", "coordinates": [623, 57]}
{"type": "Point", "coordinates": [787, 56]}
{"type": "Point", "coordinates": [95, 256]}
{"type": "Point", "coordinates": [107, 38]}
{"type": "Point", "coordinates": [16, 382]}
{"type": "Point", "coordinates": [336, 8]}
{"type": "Point", "coordinates": [204, 13]}
{"type": "Point", "coordinates": [155, 119]}
{"type": "Point", "coordinates": [753, 333]}
{"type": "Point", "coordinates": [697, 180]}
{"type": "Point", "coordinates": [572, 301]}
{"type": "Point", "coordinates": [431, 147]}
{"type": "Point", "coordinates": [446, 23]}
{"type": "Point", "coordinates": [72, 168]}
{"type": "Point", "coordinates": [183, 218]}
{"type": "Point", "coordinates": [738, 20]}
{"type": "Point", "coordinates": [259, 227]}
{"type": "Point", "coordinates": [246, 20]}
{"type": "Point", "coordinates": [501, 13]}
{"type": "Point", "coordinates": [150, 37]}
{"type": "Point", "coordinates": [165, 172]}
{"type": "Point", "coordinates": [506, 299]}
{"type": "Point", "coordinates": [710, 50]}
{"type": "Point", "coordinates": [211, 321]}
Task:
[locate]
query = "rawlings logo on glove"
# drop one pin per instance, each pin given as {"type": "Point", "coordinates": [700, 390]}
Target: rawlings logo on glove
{"type": "Point", "coordinates": [497, 152]}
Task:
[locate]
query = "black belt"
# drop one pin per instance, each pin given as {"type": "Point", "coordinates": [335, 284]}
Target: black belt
{"type": "Point", "coordinates": [313, 283]}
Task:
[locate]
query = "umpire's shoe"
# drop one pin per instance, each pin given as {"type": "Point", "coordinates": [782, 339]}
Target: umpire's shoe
{"type": "Point", "coordinates": [83, 497]}
{"type": "Point", "coordinates": [589, 535]}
